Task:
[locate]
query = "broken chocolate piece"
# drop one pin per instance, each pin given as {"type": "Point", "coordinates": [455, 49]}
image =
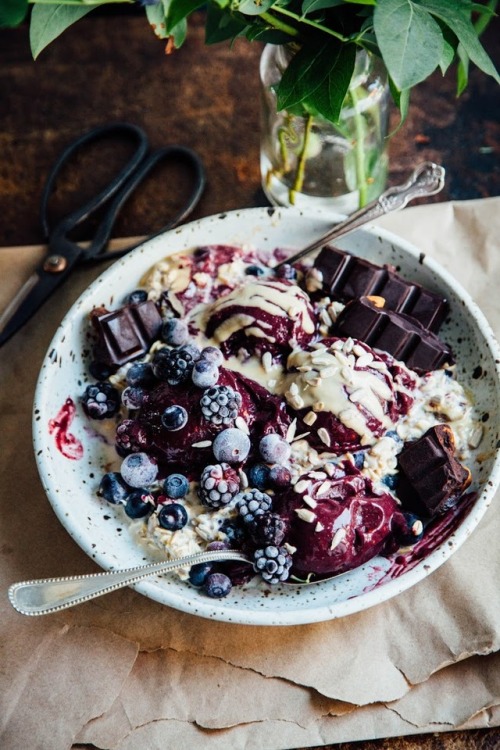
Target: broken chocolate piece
{"type": "Point", "coordinates": [127, 333]}
{"type": "Point", "coordinates": [346, 277]}
{"type": "Point", "coordinates": [431, 478]}
{"type": "Point", "coordinates": [398, 335]}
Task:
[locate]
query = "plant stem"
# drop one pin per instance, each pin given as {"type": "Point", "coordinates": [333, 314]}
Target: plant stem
{"type": "Point", "coordinates": [307, 22]}
{"type": "Point", "coordinates": [359, 150]}
{"type": "Point", "coordinates": [301, 164]}
{"type": "Point", "coordinates": [277, 24]}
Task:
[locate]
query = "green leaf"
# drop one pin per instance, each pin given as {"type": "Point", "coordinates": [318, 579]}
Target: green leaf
{"type": "Point", "coordinates": [254, 7]}
{"type": "Point", "coordinates": [12, 12]}
{"type": "Point", "coordinates": [402, 101]}
{"type": "Point", "coordinates": [156, 17]}
{"type": "Point", "coordinates": [449, 48]}
{"type": "Point", "coordinates": [310, 6]}
{"type": "Point", "coordinates": [462, 70]}
{"type": "Point", "coordinates": [221, 26]}
{"type": "Point", "coordinates": [49, 21]}
{"type": "Point", "coordinates": [318, 80]}
{"type": "Point", "coordinates": [457, 15]}
{"type": "Point", "coordinates": [410, 41]}
{"type": "Point", "coordinates": [178, 10]}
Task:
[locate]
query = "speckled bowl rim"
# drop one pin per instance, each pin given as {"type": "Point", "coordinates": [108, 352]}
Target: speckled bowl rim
{"type": "Point", "coordinates": [214, 609]}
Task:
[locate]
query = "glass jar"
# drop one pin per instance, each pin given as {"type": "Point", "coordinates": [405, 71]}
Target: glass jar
{"type": "Point", "coordinates": [310, 162]}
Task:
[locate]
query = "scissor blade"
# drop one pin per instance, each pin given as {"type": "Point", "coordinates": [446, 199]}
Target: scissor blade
{"type": "Point", "coordinates": [28, 300]}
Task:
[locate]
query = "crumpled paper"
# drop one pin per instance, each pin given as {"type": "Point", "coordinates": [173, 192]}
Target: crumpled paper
{"type": "Point", "coordinates": [123, 672]}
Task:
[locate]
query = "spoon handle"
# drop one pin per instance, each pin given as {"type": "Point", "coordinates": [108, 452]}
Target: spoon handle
{"type": "Point", "coordinates": [427, 179]}
{"type": "Point", "coordinates": [46, 595]}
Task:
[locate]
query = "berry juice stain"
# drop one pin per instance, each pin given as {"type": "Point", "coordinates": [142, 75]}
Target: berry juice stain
{"type": "Point", "coordinates": [66, 442]}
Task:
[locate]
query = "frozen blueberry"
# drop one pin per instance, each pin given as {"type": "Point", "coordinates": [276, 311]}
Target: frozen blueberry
{"type": "Point", "coordinates": [217, 546]}
{"type": "Point", "coordinates": [198, 573]}
{"type": "Point", "coordinates": [280, 476]}
{"type": "Point", "coordinates": [174, 418]}
{"type": "Point", "coordinates": [394, 435]}
{"type": "Point", "coordinates": [139, 470]}
{"type": "Point", "coordinates": [205, 373]}
{"type": "Point", "coordinates": [137, 297]}
{"type": "Point", "coordinates": [132, 397]}
{"type": "Point", "coordinates": [390, 481]}
{"type": "Point", "coordinates": [212, 354]}
{"type": "Point", "coordinates": [140, 374]}
{"type": "Point", "coordinates": [231, 446]}
{"type": "Point", "coordinates": [274, 449]}
{"type": "Point", "coordinates": [172, 517]}
{"type": "Point", "coordinates": [359, 459]}
{"type": "Point", "coordinates": [217, 585]}
{"type": "Point", "coordinates": [258, 476]}
{"type": "Point", "coordinates": [235, 532]}
{"type": "Point", "coordinates": [254, 271]}
{"type": "Point", "coordinates": [140, 503]}
{"type": "Point", "coordinates": [176, 486]}
{"type": "Point", "coordinates": [174, 332]}
{"type": "Point", "coordinates": [113, 488]}
{"type": "Point", "coordinates": [101, 370]}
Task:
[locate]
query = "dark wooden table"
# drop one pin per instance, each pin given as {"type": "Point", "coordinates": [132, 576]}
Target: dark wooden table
{"type": "Point", "coordinates": [110, 67]}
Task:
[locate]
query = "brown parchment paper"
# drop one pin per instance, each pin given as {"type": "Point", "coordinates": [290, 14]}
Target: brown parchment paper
{"type": "Point", "coordinates": [125, 672]}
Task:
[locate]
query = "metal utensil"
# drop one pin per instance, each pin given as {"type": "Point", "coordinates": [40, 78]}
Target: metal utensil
{"type": "Point", "coordinates": [427, 179]}
{"type": "Point", "coordinates": [47, 595]}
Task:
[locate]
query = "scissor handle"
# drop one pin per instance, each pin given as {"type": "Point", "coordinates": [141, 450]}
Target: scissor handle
{"type": "Point", "coordinates": [79, 215]}
{"type": "Point", "coordinates": [94, 251]}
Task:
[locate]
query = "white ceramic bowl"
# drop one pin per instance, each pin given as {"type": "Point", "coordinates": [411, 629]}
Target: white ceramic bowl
{"type": "Point", "coordinates": [101, 529]}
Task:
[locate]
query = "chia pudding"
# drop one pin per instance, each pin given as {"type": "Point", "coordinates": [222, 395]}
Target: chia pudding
{"type": "Point", "coordinates": [306, 416]}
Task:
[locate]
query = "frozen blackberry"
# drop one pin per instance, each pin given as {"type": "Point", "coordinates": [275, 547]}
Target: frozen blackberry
{"type": "Point", "coordinates": [273, 563]}
{"type": "Point", "coordinates": [220, 405]}
{"type": "Point", "coordinates": [219, 484]}
{"type": "Point", "coordinates": [131, 437]}
{"type": "Point", "coordinates": [100, 401]}
{"type": "Point", "coordinates": [253, 503]}
{"type": "Point", "coordinates": [174, 366]}
{"type": "Point", "coordinates": [268, 529]}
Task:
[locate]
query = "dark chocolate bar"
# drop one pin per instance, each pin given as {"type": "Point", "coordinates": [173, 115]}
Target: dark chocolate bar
{"type": "Point", "coordinates": [346, 277]}
{"type": "Point", "coordinates": [127, 333]}
{"type": "Point", "coordinates": [405, 339]}
{"type": "Point", "coordinates": [431, 478]}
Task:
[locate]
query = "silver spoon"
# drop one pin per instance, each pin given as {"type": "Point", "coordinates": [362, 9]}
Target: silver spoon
{"type": "Point", "coordinates": [427, 179]}
{"type": "Point", "coordinates": [47, 595]}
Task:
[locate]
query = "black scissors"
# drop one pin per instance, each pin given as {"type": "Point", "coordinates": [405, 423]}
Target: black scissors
{"type": "Point", "coordinates": [63, 253]}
